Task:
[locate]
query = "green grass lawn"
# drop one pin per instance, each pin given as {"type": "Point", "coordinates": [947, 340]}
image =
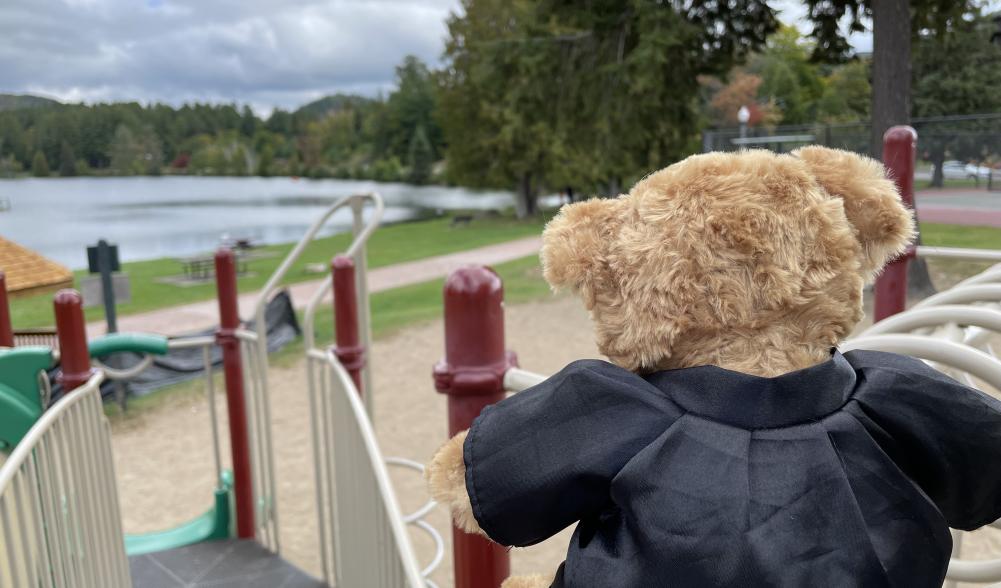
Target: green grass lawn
{"type": "Point", "coordinates": [390, 244]}
{"type": "Point", "coordinates": [402, 307]}
{"type": "Point", "coordinates": [392, 310]}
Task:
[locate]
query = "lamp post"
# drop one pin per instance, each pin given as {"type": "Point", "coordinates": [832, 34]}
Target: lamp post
{"type": "Point", "coordinates": [743, 116]}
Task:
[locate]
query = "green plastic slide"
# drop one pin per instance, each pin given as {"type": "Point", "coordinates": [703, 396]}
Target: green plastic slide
{"type": "Point", "coordinates": [213, 524]}
{"type": "Point", "coordinates": [20, 392]}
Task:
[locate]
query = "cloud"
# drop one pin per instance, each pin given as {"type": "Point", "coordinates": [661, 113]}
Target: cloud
{"type": "Point", "coordinates": [265, 53]}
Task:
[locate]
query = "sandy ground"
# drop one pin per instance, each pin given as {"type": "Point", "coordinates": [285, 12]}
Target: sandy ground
{"type": "Point", "coordinates": [165, 466]}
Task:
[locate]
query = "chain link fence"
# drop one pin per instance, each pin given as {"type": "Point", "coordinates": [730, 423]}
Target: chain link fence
{"type": "Point", "coordinates": [953, 150]}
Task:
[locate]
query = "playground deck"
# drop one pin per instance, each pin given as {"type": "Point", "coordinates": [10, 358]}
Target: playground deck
{"type": "Point", "coordinates": [229, 563]}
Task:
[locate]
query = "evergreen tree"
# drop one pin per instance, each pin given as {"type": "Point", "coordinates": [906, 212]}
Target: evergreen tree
{"type": "Point", "coordinates": [67, 161]}
{"type": "Point", "coordinates": [265, 161]}
{"type": "Point", "coordinates": [420, 158]}
{"type": "Point", "coordinates": [40, 165]}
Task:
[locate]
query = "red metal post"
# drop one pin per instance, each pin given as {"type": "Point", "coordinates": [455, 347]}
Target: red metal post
{"type": "Point", "coordinates": [899, 147]}
{"type": "Point", "coordinates": [348, 349]}
{"type": "Point", "coordinates": [74, 358]}
{"type": "Point", "coordinates": [472, 375]}
{"type": "Point", "coordinates": [229, 322]}
{"type": "Point", "coordinates": [6, 330]}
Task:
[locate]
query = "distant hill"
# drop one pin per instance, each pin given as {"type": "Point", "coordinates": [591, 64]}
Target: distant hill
{"type": "Point", "coordinates": [333, 103]}
{"type": "Point", "coordinates": [16, 101]}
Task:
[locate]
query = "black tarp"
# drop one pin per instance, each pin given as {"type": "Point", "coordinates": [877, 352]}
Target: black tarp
{"type": "Point", "coordinates": [180, 365]}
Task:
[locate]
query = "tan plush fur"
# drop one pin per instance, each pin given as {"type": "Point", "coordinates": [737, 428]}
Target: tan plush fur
{"type": "Point", "coordinates": [532, 581]}
{"type": "Point", "coordinates": [446, 477]}
{"type": "Point", "coordinates": [743, 260]}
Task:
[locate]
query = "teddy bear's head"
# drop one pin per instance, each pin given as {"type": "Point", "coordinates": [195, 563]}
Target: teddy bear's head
{"type": "Point", "coordinates": [751, 261]}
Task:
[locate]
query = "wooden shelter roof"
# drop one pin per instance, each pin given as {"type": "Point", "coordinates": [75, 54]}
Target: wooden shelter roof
{"type": "Point", "coordinates": [28, 272]}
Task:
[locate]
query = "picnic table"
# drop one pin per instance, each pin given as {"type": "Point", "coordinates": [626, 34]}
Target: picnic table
{"type": "Point", "coordinates": [201, 267]}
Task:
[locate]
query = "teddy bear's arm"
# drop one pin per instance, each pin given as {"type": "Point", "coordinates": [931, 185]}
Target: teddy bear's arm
{"type": "Point", "coordinates": [521, 462]}
{"type": "Point", "coordinates": [446, 475]}
{"type": "Point", "coordinates": [941, 433]}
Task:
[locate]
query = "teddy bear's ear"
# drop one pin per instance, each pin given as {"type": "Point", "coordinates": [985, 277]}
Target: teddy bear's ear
{"type": "Point", "coordinates": [575, 245]}
{"type": "Point", "coordinates": [883, 225]}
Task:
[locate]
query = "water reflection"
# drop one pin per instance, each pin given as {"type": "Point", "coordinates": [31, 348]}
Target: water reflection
{"type": "Point", "coordinates": [175, 216]}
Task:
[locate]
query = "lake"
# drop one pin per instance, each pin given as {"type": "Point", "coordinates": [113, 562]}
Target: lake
{"type": "Point", "coordinates": [150, 217]}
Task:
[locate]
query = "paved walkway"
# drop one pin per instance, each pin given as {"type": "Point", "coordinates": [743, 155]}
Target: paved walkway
{"type": "Point", "coordinates": [186, 318]}
{"type": "Point", "coordinates": [960, 206]}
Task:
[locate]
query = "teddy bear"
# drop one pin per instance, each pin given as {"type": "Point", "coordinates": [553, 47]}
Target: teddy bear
{"type": "Point", "coordinates": [727, 441]}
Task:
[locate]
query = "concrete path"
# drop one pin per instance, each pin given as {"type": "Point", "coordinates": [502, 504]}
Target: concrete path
{"type": "Point", "coordinates": [960, 206]}
{"type": "Point", "coordinates": [186, 318]}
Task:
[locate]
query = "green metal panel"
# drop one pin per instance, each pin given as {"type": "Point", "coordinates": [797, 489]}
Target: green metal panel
{"type": "Point", "coordinates": [20, 395]}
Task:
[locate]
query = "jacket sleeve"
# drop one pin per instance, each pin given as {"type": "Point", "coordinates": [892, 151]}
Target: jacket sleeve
{"type": "Point", "coordinates": [544, 458]}
{"type": "Point", "coordinates": [945, 436]}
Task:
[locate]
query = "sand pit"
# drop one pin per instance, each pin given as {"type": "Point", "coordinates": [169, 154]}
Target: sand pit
{"type": "Point", "coordinates": [164, 460]}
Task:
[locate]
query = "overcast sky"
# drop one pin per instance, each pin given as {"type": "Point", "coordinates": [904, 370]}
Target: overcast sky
{"type": "Point", "coordinates": [265, 53]}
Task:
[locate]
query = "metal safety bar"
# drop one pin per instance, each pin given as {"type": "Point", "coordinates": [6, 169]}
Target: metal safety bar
{"type": "Point", "coordinates": [262, 459]}
{"type": "Point", "coordinates": [363, 539]}
{"type": "Point", "coordinates": [254, 348]}
{"type": "Point", "coordinates": [60, 523]}
{"type": "Point", "coordinates": [362, 231]}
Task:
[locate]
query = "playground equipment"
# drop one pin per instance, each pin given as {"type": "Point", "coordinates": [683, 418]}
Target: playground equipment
{"type": "Point", "coordinates": [61, 522]}
{"type": "Point", "coordinates": [953, 329]}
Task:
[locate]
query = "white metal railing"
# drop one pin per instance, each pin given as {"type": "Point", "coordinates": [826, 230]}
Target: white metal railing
{"type": "Point", "coordinates": [60, 523]}
{"type": "Point", "coordinates": [959, 253]}
{"type": "Point", "coordinates": [363, 539]}
{"type": "Point", "coordinates": [254, 347]}
{"type": "Point", "coordinates": [262, 461]}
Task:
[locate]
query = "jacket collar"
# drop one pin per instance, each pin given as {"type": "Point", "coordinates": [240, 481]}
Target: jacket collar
{"type": "Point", "coordinates": [755, 402]}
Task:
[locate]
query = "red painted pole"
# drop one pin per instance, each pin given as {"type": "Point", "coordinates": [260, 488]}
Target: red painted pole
{"type": "Point", "coordinates": [899, 147]}
{"type": "Point", "coordinates": [348, 348]}
{"type": "Point", "coordinates": [472, 375]}
{"type": "Point", "coordinates": [6, 330]}
{"type": "Point", "coordinates": [74, 358]}
{"type": "Point", "coordinates": [229, 322]}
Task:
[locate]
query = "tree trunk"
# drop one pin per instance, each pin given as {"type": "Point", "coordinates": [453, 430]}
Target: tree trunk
{"type": "Point", "coordinates": [526, 201]}
{"type": "Point", "coordinates": [891, 100]}
{"type": "Point", "coordinates": [891, 69]}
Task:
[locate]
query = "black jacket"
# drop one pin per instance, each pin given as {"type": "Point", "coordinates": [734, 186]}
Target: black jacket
{"type": "Point", "coordinates": [847, 473]}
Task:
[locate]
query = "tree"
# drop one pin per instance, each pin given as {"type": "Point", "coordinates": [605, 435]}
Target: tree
{"type": "Point", "coordinates": [265, 161]}
{"type": "Point", "coordinates": [248, 122]}
{"type": "Point", "coordinates": [40, 165]}
{"type": "Point", "coordinates": [420, 158]}
{"type": "Point", "coordinates": [957, 74]}
{"type": "Point", "coordinates": [789, 81]}
{"type": "Point", "coordinates": [67, 161]}
{"type": "Point", "coordinates": [411, 106]}
{"type": "Point", "coordinates": [847, 94]}
{"type": "Point", "coordinates": [893, 24]}
{"type": "Point", "coordinates": [563, 92]}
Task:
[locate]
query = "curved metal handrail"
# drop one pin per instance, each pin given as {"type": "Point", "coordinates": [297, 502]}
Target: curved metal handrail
{"type": "Point", "coordinates": [517, 379]}
{"type": "Point", "coordinates": [259, 398]}
{"type": "Point", "coordinates": [359, 241]}
{"type": "Point", "coordinates": [964, 295]}
{"type": "Point", "coordinates": [937, 315]}
{"type": "Point", "coordinates": [345, 388]}
{"type": "Point", "coordinates": [988, 276]}
{"type": "Point", "coordinates": [60, 521]}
